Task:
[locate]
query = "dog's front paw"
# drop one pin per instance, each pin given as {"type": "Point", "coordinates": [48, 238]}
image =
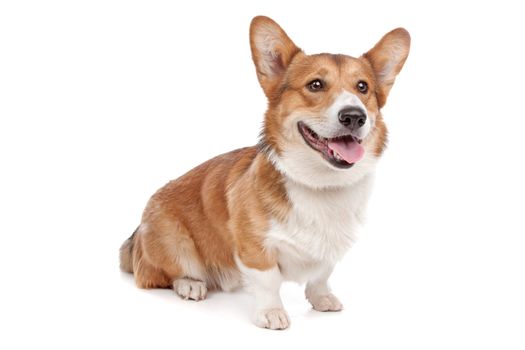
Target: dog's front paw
{"type": "Point", "coordinates": [328, 302]}
{"type": "Point", "coordinates": [271, 319]}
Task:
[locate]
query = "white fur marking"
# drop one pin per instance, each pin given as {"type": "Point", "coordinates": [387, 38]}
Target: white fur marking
{"type": "Point", "coordinates": [303, 165]}
{"type": "Point", "coordinates": [347, 99]}
{"type": "Point", "coordinates": [264, 286]}
{"type": "Point", "coordinates": [319, 294]}
{"type": "Point", "coordinates": [320, 228]}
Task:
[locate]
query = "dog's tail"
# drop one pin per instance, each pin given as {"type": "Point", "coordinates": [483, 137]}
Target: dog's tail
{"type": "Point", "coordinates": [126, 253]}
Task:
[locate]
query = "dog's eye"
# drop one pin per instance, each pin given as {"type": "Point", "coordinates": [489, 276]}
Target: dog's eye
{"type": "Point", "coordinates": [315, 85]}
{"type": "Point", "coordinates": [362, 86]}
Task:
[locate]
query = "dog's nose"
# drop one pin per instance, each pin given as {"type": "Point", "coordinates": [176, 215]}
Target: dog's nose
{"type": "Point", "coordinates": [352, 117]}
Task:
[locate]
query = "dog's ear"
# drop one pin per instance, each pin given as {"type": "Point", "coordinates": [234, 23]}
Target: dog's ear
{"type": "Point", "coordinates": [387, 59]}
{"type": "Point", "coordinates": [272, 52]}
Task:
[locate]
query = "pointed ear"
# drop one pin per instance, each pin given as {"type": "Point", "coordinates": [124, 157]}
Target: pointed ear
{"type": "Point", "coordinates": [272, 52]}
{"type": "Point", "coordinates": [387, 59]}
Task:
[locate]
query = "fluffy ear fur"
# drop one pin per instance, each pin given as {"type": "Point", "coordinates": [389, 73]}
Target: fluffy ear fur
{"type": "Point", "coordinates": [387, 59]}
{"type": "Point", "coordinates": [272, 52]}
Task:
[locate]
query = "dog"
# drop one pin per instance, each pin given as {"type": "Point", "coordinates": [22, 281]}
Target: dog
{"type": "Point", "coordinates": [289, 207]}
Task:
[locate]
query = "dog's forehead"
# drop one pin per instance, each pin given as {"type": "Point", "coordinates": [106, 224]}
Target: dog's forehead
{"type": "Point", "coordinates": [325, 64]}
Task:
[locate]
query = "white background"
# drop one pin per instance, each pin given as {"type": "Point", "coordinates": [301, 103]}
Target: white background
{"type": "Point", "coordinates": [102, 102]}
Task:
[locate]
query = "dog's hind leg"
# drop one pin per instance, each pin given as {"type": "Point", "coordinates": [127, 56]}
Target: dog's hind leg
{"type": "Point", "coordinates": [164, 256]}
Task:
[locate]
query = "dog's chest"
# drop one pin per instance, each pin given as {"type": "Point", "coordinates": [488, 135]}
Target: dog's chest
{"type": "Point", "coordinates": [320, 227]}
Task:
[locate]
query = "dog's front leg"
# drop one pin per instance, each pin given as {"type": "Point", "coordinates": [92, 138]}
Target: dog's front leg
{"type": "Point", "coordinates": [319, 293]}
{"type": "Point", "coordinates": [264, 285]}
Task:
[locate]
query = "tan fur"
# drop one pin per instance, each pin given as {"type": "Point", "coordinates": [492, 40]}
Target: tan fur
{"type": "Point", "coordinates": [287, 94]}
{"type": "Point", "coordinates": [195, 226]}
{"type": "Point", "coordinates": [220, 207]}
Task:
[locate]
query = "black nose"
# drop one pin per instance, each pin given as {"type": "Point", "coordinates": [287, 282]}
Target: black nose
{"type": "Point", "coordinates": [352, 117]}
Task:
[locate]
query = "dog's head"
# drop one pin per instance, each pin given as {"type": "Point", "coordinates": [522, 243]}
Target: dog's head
{"type": "Point", "coordinates": [323, 126]}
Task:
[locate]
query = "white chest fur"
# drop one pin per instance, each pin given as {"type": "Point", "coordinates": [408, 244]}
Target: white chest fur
{"type": "Point", "coordinates": [320, 227]}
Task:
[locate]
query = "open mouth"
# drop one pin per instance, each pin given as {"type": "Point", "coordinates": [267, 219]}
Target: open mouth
{"type": "Point", "coordinates": [342, 152]}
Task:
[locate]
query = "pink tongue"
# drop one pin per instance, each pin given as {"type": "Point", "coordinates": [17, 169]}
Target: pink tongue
{"type": "Point", "coordinates": [351, 151]}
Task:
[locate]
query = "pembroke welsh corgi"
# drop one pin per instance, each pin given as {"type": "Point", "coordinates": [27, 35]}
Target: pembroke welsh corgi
{"type": "Point", "coordinates": [289, 207]}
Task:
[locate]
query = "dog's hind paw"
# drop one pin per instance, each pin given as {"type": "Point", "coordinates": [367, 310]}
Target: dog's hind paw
{"type": "Point", "coordinates": [190, 289]}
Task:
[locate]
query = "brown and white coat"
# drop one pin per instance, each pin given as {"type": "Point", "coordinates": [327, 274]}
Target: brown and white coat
{"type": "Point", "coordinates": [280, 210]}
